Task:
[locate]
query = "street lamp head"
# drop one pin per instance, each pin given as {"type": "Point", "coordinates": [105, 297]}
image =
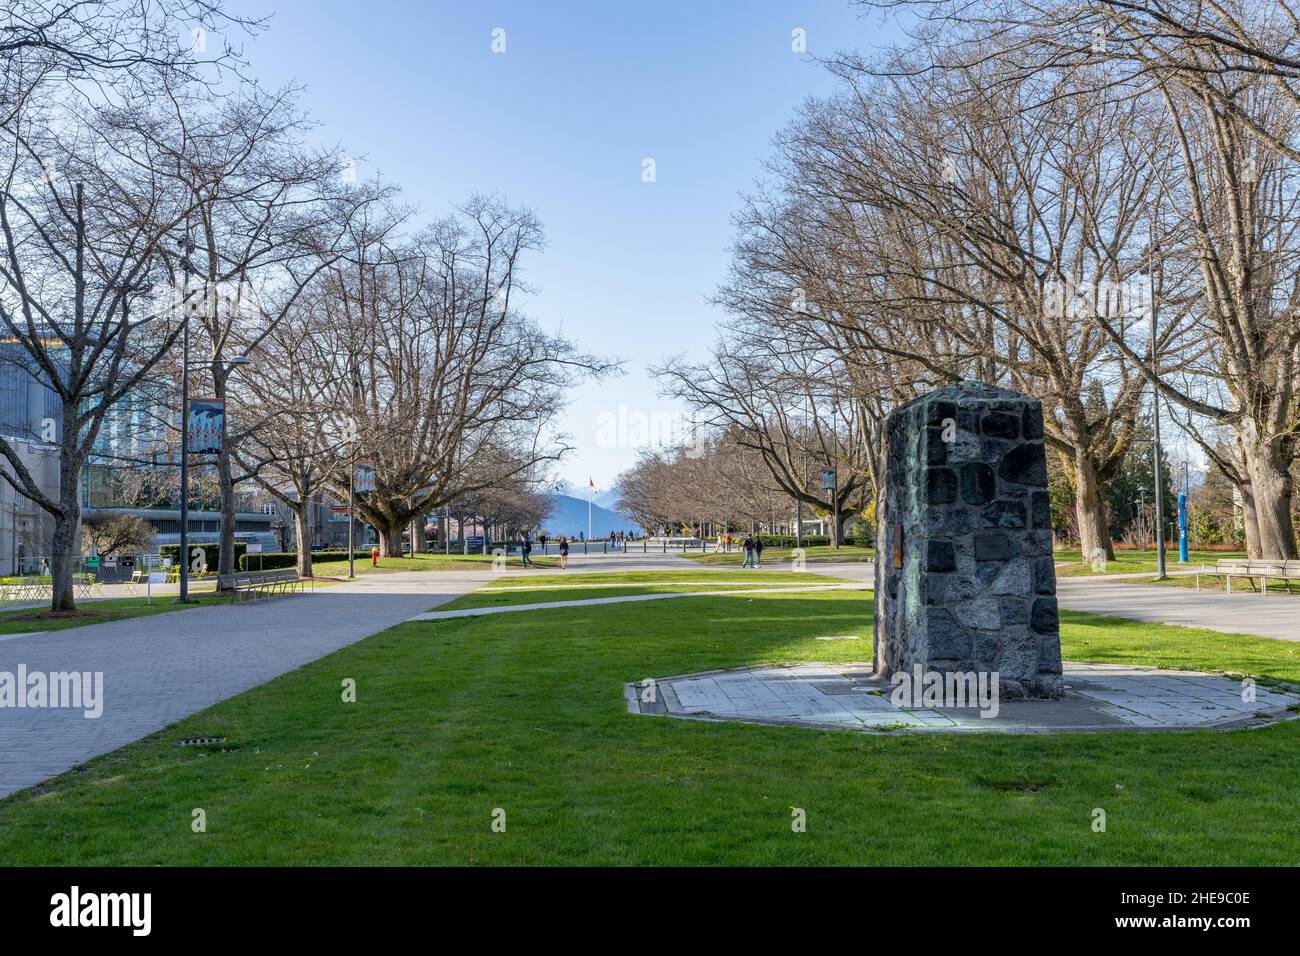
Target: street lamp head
{"type": "Point", "coordinates": [240, 360]}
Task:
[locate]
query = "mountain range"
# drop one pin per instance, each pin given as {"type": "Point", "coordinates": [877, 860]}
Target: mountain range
{"type": "Point", "coordinates": [569, 517]}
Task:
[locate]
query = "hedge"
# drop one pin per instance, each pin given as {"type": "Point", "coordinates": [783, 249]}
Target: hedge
{"type": "Point", "coordinates": [273, 560]}
{"type": "Point", "coordinates": [211, 552]}
{"type": "Point", "coordinates": [809, 540]}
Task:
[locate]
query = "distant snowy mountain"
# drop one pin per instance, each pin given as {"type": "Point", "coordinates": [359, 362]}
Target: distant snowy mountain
{"type": "Point", "coordinates": [569, 517]}
{"type": "Point", "coordinates": [606, 499]}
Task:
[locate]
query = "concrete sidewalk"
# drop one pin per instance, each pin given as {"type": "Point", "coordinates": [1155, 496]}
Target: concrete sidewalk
{"type": "Point", "coordinates": [160, 669]}
{"type": "Point", "coordinates": [1274, 615]}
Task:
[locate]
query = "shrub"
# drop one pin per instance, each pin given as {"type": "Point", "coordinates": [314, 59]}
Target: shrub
{"type": "Point", "coordinates": [275, 560]}
{"type": "Point", "coordinates": [211, 552]}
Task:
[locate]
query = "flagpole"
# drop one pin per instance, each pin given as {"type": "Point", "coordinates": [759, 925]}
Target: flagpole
{"type": "Point", "coordinates": [590, 486]}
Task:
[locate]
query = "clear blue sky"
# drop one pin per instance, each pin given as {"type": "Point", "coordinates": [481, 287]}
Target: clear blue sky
{"type": "Point", "coordinates": [561, 122]}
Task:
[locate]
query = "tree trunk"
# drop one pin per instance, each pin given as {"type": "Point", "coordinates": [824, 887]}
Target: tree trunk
{"type": "Point", "coordinates": [302, 531]}
{"type": "Point", "coordinates": [421, 541]}
{"type": "Point", "coordinates": [63, 557]}
{"type": "Point", "coordinates": [63, 543]}
{"type": "Point", "coordinates": [1090, 509]}
{"type": "Point", "coordinates": [1270, 512]}
{"type": "Point", "coordinates": [226, 484]}
{"type": "Point", "coordinates": [390, 540]}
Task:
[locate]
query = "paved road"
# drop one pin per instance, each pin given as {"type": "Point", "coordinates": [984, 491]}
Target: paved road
{"type": "Point", "coordinates": [160, 669]}
{"type": "Point", "coordinates": [1277, 615]}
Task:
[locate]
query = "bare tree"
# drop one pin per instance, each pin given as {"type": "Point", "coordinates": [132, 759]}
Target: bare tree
{"type": "Point", "coordinates": [287, 402]}
{"type": "Point", "coordinates": [444, 370]}
{"type": "Point", "coordinates": [1225, 78]}
{"type": "Point", "coordinates": [926, 218]}
{"type": "Point", "coordinates": [100, 38]}
{"type": "Point", "coordinates": [117, 534]}
{"type": "Point", "coordinates": [86, 235]}
{"type": "Point", "coordinates": [268, 216]}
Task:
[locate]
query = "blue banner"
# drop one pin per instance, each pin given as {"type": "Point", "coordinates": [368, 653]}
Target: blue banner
{"type": "Point", "coordinates": [207, 425]}
{"type": "Point", "coordinates": [363, 477]}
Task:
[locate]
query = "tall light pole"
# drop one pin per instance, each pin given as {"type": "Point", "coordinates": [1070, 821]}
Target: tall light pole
{"type": "Point", "coordinates": [352, 501]}
{"type": "Point", "coordinates": [1182, 516]}
{"type": "Point", "coordinates": [352, 472]}
{"type": "Point", "coordinates": [187, 249]}
{"type": "Point", "coordinates": [184, 552]}
{"type": "Point", "coordinates": [1155, 451]}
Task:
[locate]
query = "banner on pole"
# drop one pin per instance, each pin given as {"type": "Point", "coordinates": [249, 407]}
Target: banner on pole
{"type": "Point", "coordinates": [207, 425]}
{"type": "Point", "coordinates": [363, 476]}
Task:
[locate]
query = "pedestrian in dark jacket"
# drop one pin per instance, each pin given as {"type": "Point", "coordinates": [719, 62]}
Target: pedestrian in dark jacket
{"type": "Point", "coordinates": [748, 545]}
{"type": "Point", "coordinates": [758, 551]}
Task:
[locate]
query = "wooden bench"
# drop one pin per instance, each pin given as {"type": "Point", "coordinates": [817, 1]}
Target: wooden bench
{"type": "Point", "coordinates": [1250, 569]}
{"type": "Point", "coordinates": [258, 584]}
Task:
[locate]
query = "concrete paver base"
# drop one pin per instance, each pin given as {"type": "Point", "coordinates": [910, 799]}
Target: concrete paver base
{"type": "Point", "coordinates": [1099, 697]}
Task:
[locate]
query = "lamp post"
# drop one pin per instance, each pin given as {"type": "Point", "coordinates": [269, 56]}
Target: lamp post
{"type": "Point", "coordinates": [184, 552]}
{"type": "Point", "coordinates": [1155, 418]}
{"type": "Point", "coordinates": [1155, 466]}
{"type": "Point", "coordinates": [1182, 515]}
{"type": "Point", "coordinates": [352, 469]}
{"type": "Point", "coordinates": [352, 501]}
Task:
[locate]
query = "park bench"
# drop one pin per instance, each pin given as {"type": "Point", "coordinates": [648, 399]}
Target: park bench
{"type": "Point", "coordinates": [258, 584]}
{"type": "Point", "coordinates": [1250, 569]}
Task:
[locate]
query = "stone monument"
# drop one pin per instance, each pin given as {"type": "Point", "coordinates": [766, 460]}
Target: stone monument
{"type": "Point", "coordinates": [964, 574]}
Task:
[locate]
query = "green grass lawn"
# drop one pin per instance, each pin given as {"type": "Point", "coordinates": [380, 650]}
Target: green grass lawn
{"type": "Point", "coordinates": [580, 587]}
{"type": "Point", "coordinates": [1071, 565]}
{"type": "Point", "coordinates": [1132, 562]}
{"type": "Point", "coordinates": [525, 713]}
{"type": "Point", "coordinates": [425, 562]}
{"type": "Point", "coordinates": [775, 556]}
{"type": "Point", "coordinates": [25, 621]}
{"type": "Point", "coordinates": [689, 576]}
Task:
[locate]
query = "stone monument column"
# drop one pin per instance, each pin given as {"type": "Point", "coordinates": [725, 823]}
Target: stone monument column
{"type": "Point", "coordinates": [964, 574]}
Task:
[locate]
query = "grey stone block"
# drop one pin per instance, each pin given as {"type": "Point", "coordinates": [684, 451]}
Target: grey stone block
{"type": "Point", "coordinates": [981, 613]}
{"type": "Point", "coordinates": [979, 483]}
{"type": "Point", "coordinates": [1024, 465]}
{"type": "Point", "coordinates": [945, 637]}
{"type": "Point", "coordinates": [1015, 578]}
{"type": "Point", "coordinates": [973, 579]}
{"type": "Point", "coordinates": [940, 556]}
{"type": "Point", "coordinates": [940, 486]}
{"type": "Point", "coordinates": [992, 547]}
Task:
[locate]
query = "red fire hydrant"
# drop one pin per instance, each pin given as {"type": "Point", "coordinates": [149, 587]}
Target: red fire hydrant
{"type": "Point", "coordinates": [374, 557]}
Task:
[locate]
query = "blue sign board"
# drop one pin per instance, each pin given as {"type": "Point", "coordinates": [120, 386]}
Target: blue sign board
{"type": "Point", "coordinates": [207, 425]}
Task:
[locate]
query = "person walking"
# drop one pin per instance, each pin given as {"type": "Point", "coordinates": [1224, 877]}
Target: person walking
{"type": "Point", "coordinates": [564, 552]}
{"type": "Point", "coordinates": [527, 550]}
{"type": "Point", "coordinates": [748, 545]}
{"type": "Point", "coordinates": [758, 551]}
{"type": "Point", "coordinates": [542, 539]}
